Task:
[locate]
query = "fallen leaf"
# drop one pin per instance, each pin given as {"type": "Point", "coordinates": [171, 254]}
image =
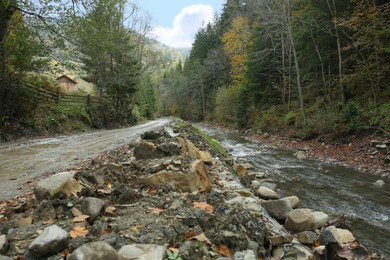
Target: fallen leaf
{"type": "Point", "coordinates": [189, 235]}
{"type": "Point", "coordinates": [105, 231]}
{"type": "Point", "coordinates": [80, 218]}
{"type": "Point", "coordinates": [76, 212]}
{"type": "Point", "coordinates": [110, 209]}
{"type": "Point", "coordinates": [156, 211]}
{"type": "Point", "coordinates": [104, 191]}
{"type": "Point", "coordinates": [48, 221]}
{"type": "Point", "coordinates": [78, 232]}
{"type": "Point", "coordinates": [204, 206]}
{"type": "Point", "coordinates": [316, 243]}
{"type": "Point", "coordinates": [173, 249]}
{"type": "Point", "coordinates": [202, 238]}
{"type": "Point", "coordinates": [138, 227]}
{"type": "Point", "coordinates": [224, 251]}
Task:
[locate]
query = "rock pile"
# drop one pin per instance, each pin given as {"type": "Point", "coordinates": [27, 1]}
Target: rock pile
{"type": "Point", "coordinates": [166, 196]}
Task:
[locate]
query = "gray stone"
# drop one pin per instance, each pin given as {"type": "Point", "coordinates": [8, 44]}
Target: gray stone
{"type": "Point", "coordinates": [300, 220]}
{"type": "Point", "coordinates": [92, 207]}
{"type": "Point", "coordinates": [244, 255]}
{"type": "Point", "coordinates": [3, 257]}
{"type": "Point", "coordinates": [278, 208]}
{"type": "Point", "coordinates": [266, 193]}
{"type": "Point", "coordinates": [256, 184]}
{"type": "Point", "coordinates": [3, 244]}
{"type": "Point", "coordinates": [294, 200]}
{"type": "Point", "coordinates": [336, 235]}
{"type": "Point", "coordinates": [293, 252]}
{"type": "Point", "coordinates": [321, 218]}
{"type": "Point", "coordinates": [253, 206]}
{"type": "Point", "coordinates": [300, 155]}
{"type": "Point", "coordinates": [151, 135]}
{"type": "Point", "coordinates": [379, 183]}
{"type": "Point", "coordinates": [142, 252]}
{"type": "Point", "coordinates": [61, 183]}
{"type": "Point", "coordinates": [51, 241]}
{"type": "Point", "coordinates": [94, 251]}
{"type": "Point", "coordinates": [307, 237]}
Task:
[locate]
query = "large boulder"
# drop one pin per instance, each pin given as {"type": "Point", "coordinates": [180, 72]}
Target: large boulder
{"type": "Point", "coordinates": [142, 252]}
{"type": "Point", "coordinates": [336, 235]}
{"type": "Point", "coordinates": [278, 208]}
{"type": "Point", "coordinates": [196, 179]}
{"type": "Point", "coordinates": [94, 251]}
{"type": "Point", "coordinates": [321, 218]}
{"type": "Point", "coordinates": [51, 241]}
{"type": "Point", "coordinates": [266, 193]}
{"type": "Point", "coordinates": [147, 150]}
{"type": "Point", "coordinates": [188, 147]}
{"type": "Point", "coordinates": [60, 184]}
{"type": "Point", "coordinates": [294, 200]}
{"type": "Point", "coordinates": [301, 220]}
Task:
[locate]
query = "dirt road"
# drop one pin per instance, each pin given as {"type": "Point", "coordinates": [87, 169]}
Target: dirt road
{"type": "Point", "coordinates": [22, 162]}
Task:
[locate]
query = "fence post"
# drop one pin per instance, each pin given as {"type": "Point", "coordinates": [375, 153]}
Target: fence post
{"type": "Point", "coordinates": [58, 94]}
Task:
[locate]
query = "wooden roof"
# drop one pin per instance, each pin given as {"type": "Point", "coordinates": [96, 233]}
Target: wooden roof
{"type": "Point", "coordinates": [66, 77]}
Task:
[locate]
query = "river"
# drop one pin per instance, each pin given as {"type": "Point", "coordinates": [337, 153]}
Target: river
{"type": "Point", "coordinates": [334, 190]}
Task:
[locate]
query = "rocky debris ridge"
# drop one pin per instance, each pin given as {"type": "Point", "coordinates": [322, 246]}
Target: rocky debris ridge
{"type": "Point", "coordinates": [167, 196]}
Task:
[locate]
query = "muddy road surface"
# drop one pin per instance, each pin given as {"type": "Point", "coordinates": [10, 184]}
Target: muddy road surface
{"type": "Point", "coordinates": [20, 163]}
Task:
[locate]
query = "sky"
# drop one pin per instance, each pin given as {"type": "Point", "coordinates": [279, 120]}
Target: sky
{"type": "Point", "coordinates": [175, 22]}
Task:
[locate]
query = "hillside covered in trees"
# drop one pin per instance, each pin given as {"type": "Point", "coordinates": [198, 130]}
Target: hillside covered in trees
{"type": "Point", "coordinates": [300, 67]}
{"type": "Point", "coordinates": [105, 43]}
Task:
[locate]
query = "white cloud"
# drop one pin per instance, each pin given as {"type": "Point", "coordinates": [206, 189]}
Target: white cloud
{"type": "Point", "coordinates": [185, 26]}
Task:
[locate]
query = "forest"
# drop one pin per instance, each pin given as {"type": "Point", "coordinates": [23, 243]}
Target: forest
{"type": "Point", "coordinates": [297, 67]}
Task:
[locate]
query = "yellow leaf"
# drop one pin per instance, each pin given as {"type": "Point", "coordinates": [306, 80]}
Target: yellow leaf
{"type": "Point", "coordinates": [110, 209]}
{"type": "Point", "coordinates": [76, 212]}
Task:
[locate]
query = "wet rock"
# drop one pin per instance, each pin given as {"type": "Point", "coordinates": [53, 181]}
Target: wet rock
{"type": "Point", "coordinates": [3, 244]}
{"type": "Point", "coordinates": [336, 235]}
{"type": "Point", "coordinates": [301, 220]}
{"type": "Point", "coordinates": [293, 251]}
{"type": "Point", "coordinates": [147, 150]}
{"type": "Point", "coordinates": [294, 200]}
{"type": "Point", "coordinates": [379, 183]}
{"type": "Point", "coordinates": [60, 184]}
{"type": "Point", "coordinates": [307, 237]}
{"type": "Point", "coordinates": [278, 208]}
{"type": "Point", "coordinates": [266, 193]}
{"type": "Point", "coordinates": [300, 155]}
{"type": "Point", "coordinates": [51, 241]}
{"type": "Point", "coordinates": [151, 135]}
{"type": "Point", "coordinates": [142, 251]}
{"type": "Point", "coordinates": [245, 255]}
{"type": "Point", "coordinates": [321, 218]}
{"type": "Point", "coordinates": [92, 207]}
{"type": "Point", "coordinates": [94, 251]}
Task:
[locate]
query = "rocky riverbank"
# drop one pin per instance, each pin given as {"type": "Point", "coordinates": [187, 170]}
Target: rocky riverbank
{"type": "Point", "coordinates": [370, 154]}
{"type": "Point", "coordinates": [167, 196]}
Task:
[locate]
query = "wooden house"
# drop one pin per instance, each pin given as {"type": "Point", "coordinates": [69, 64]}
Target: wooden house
{"type": "Point", "coordinates": [67, 84]}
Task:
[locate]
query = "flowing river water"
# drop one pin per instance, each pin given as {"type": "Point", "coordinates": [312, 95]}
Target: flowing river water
{"type": "Point", "coordinates": [334, 190]}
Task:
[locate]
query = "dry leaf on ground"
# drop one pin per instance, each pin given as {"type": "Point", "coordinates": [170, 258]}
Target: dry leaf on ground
{"type": "Point", "coordinates": [78, 232]}
{"type": "Point", "coordinates": [80, 218]}
{"type": "Point", "coordinates": [76, 212]}
{"type": "Point", "coordinates": [110, 209]}
{"type": "Point", "coordinates": [204, 206]}
{"type": "Point", "coordinates": [224, 251]}
{"type": "Point", "coordinates": [156, 211]}
{"type": "Point", "coordinates": [202, 238]}
{"type": "Point", "coordinates": [173, 249]}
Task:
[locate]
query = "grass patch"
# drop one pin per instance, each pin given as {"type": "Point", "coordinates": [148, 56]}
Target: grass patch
{"type": "Point", "coordinates": [214, 145]}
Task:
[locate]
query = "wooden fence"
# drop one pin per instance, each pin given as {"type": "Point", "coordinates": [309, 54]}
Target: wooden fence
{"type": "Point", "coordinates": [46, 94]}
